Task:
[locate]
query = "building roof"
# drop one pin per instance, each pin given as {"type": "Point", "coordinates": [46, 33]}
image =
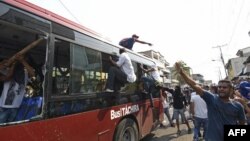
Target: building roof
{"type": "Point", "coordinates": [240, 52]}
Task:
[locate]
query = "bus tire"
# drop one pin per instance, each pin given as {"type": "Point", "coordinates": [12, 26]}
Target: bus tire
{"type": "Point", "coordinates": [126, 131]}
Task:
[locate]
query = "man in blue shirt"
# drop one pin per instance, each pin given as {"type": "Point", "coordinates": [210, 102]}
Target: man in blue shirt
{"type": "Point", "coordinates": [129, 42]}
{"type": "Point", "coordinates": [221, 109]}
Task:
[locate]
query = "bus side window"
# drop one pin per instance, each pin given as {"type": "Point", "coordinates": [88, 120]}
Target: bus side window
{"type": "Point", "coordinates": [86, 70]}
{"type": "Point", "coordinates": [61, 68]}
{"type": "Point", "coordinates": [105, 68]}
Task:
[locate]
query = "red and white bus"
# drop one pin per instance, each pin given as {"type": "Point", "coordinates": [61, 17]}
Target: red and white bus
{"type": "Point", "coordinates": [67, 100]}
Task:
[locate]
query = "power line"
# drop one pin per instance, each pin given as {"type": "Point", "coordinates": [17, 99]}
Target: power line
{"type": "Point", "coordinates": [236, 24]}
{"type": "Point", "coordinates": [69, 12]}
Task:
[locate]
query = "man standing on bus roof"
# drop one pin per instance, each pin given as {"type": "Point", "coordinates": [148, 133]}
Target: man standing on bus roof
{"type": "Point", "coordinates": [129, 42]}
{"type": "Point", "coordinates": [123, 71]}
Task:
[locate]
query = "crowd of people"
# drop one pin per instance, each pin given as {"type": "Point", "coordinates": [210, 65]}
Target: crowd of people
{"type": "Point", "coordinates": [211, 107]}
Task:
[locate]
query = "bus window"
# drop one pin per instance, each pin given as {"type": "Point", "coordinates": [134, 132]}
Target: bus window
{"type": "Point", "coordinates": [76, 71]}
{"type": "Point", "coordinates": [135, 69]}
{"type": "Point", "coordinates": [61, 68]}
{"type": "Point", "coordinates": [86, 70]}
{"type": "Point", "coordinates": [27, 103]}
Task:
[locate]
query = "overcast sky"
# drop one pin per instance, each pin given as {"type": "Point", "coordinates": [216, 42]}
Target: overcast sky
{"type": "Point", "coordinates": [179, 29]}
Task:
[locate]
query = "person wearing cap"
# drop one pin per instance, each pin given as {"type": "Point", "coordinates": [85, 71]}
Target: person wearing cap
{"type": "Point", "coordinates": [129, 42]}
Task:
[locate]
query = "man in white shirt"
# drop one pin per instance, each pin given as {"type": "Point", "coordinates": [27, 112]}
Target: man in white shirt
{"type": "Point", "coordinates": [198, 109]}
{"type": "Point", "coordinates": [165, 104]}
{"type": "Point", "coordinates": [123, 71]}
{"type": "Point", "coordinates": [149, 82]}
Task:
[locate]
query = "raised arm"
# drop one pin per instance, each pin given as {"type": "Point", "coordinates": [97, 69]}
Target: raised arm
{"type": "Point", "coordinates": [147, 70]}
{"type": "Point", "coordinates": [30, 70]}
{"type": "Point", "coordinates": [188, 80]}
{"type": "Point", "coordinates": [143, 42]}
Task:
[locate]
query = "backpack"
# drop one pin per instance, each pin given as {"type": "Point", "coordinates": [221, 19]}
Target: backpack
{"type": "Point", "coordinates": [124, 42]}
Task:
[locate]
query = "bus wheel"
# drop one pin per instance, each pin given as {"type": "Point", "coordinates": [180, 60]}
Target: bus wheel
{"type": "Point", "coordinates": [126, 131]}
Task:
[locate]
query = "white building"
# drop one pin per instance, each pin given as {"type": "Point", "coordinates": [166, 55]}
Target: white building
{"type": "Point", "coordinates": [161, 63]}
{"type": "Point", "coordinates": [239, 66]}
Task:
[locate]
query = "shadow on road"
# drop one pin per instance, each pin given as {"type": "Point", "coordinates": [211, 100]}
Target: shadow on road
{"type": "Point", "coordinates": [152, 137]}
{"type": "Point", "coordinates": [169, 134]}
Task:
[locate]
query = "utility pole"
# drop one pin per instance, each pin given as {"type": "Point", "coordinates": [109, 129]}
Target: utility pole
{"type": "Point", "coordinates": [220, 77]}
{"type": "Point", "coordinates": [222, 58]}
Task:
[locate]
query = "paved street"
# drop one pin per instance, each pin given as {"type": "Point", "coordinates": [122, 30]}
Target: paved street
{"type": "Point", "coordinates": [169, 133]}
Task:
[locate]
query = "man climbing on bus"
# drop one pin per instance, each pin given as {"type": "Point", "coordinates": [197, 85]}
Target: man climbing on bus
{"type": "Point", "coordinates": [129, 42]}
{"type": "Point", "coordinates": [122, 72]}
{"type": "Point", "coordinates": [154, 78]}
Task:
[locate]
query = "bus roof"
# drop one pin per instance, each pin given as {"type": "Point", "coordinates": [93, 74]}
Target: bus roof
{"type": "Point", "coordinates": [32, 8]}
{"type": "Point", "coordinates": [49, 15]}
